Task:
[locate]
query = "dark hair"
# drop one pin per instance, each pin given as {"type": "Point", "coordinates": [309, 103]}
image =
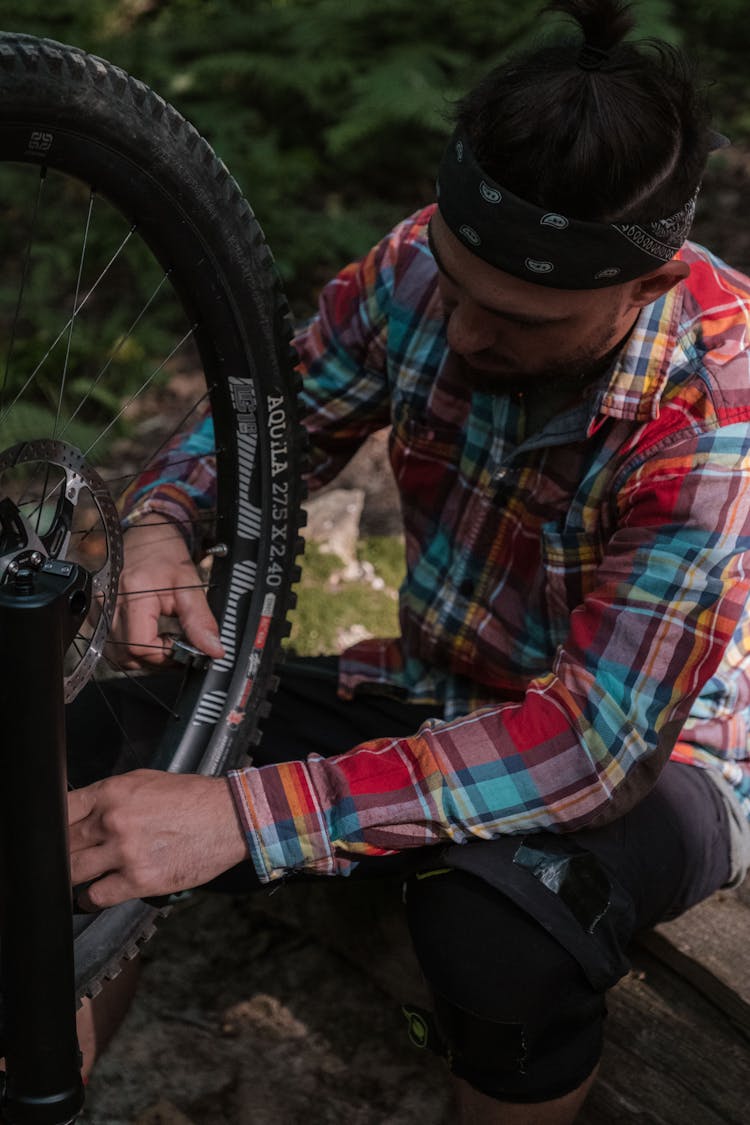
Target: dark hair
{"type": "Point", "coordinates": [623, 137]}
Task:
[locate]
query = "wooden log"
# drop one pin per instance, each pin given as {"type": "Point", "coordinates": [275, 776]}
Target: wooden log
{"type": "Point", "coordinates": [669, 1057]}
{"type": "Point", "coordinates": [709, 947]}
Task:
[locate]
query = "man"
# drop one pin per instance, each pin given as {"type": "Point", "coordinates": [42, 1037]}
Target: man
{"type": "Point", "coordinates": [567, 383]}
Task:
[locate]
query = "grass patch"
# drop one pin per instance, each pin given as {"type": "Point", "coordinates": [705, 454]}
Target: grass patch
{"type": "Point", "coordinates": [386, 553]}
{"type": "Point", "coordinates": [318, 566]}
{"type": "Point", "coordinates": [324, 611]}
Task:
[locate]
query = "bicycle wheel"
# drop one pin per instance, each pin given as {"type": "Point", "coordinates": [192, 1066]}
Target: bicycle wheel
{"type": "Point", "coordinates": [137, 292]}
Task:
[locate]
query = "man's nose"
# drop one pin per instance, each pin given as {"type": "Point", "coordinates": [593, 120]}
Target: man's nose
{"type": "Point", "coordinates": [469, 329]}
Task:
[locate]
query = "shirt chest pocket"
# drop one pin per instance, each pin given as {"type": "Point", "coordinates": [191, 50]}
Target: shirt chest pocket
{"type": "Point", "coordinates": [425, 460]}
{"type": "Point", "coordinates": [570, 561]}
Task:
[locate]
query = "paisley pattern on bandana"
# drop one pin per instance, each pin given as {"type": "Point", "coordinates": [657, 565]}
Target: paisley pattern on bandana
{"type": "Point", "coordinates": [544, 246]}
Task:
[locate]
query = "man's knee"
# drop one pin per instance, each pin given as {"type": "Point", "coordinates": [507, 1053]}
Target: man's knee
{"type": "Point", "coordinates": [513, 1011]}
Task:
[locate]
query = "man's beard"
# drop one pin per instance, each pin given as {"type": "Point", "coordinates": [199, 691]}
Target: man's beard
{"type": "Point", "coordinates": [576, 371]}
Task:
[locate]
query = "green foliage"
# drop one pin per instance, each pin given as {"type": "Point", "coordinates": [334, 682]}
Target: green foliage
{"type": "Point", "coordinates": [331, 116]}
{"type": "Point", "coordinates": [718, 32]}
{"type": "Point", "coordinates": [32, 419]}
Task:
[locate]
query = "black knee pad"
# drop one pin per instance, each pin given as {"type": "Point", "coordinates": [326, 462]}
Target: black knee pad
{"type": "Point", "coordinates": [513, 1012]}
{"type": "Point", "coordinates": [521, 1062]}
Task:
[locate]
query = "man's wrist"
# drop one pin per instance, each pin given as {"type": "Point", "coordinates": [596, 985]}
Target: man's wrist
{"type": "Point", "coordinates": [161, 511]}
{"type": "Point", "coordinates": [238, 834]}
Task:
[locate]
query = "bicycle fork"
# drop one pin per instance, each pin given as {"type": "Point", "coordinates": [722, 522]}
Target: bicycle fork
{"type": "Point", "coordinates": [40, 613]}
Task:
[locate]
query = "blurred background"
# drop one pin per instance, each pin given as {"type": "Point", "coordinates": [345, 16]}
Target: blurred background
{"type": "Point", "coordinates": [332, 115]}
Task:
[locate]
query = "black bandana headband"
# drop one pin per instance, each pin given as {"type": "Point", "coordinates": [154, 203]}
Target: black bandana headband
{"type": "Point", "coordinates": [543, 246]}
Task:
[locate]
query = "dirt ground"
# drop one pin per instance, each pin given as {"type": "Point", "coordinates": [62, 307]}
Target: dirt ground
{"type": "Point", "coordinates": [273, 1011]}
{"type": "Point", "coordinates": [249, 1013]}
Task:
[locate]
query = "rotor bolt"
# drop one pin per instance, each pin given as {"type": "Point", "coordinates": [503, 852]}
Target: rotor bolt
{"type": "Point", "coordinates": [35, 559]}
{"type": "Point", "coordinates": [13, 567]}
{"type": "Point", "coordinates": [24, 583]}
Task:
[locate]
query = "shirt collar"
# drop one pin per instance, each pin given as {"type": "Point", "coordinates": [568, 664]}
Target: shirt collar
{"type": "Point", "coordinates": [636, 383]}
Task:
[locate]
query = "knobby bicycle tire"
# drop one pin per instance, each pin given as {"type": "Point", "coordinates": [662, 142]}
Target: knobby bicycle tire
{"type": "Point", "coordinates": [68, 112]}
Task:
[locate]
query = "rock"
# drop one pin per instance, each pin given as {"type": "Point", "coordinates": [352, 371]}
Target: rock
{"type": "Point", "coordinates": [163, 1113]}
{"type": "Point", "coordinates": [265, 1016]}
{"type": "Point", "coordinates": [352, 635]}
{"type": "Point", "coordinates": [333, 521]}
{"type": "Point", "coordinates": [370, 470]}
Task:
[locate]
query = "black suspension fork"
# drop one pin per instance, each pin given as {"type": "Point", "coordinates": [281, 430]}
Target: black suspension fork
{"type": "Point", "coordinates": [40, 612]}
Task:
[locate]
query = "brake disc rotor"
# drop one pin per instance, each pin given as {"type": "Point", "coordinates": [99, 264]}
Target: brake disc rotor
{"type": "Point", "coordinates": [67, 518]}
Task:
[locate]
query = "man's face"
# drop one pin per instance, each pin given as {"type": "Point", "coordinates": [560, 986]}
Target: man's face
{"type": "Point", "coordinates": [516, 336]}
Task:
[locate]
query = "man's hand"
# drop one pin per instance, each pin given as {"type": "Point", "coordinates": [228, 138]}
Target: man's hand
{"type": "Point", "coordinates": [159, 580]}
{"type": "Point", "coordinates": [151, 833]}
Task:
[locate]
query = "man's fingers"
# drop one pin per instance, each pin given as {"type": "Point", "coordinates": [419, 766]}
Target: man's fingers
{"type": "Point", "coordinates": [152, 833]}
{"type": "Point", "coordinates": [198, 622]}
{"type": "Point", "coordinates": [108, 891]}
{"type": "Point", "coordinates": [91, 863]}
{"type": "Point", "coordinates": [137, 640]}
{"type": "Point", "coordinates": [159, 578]}
{"type": "Point", "coordinates": [81, 802]}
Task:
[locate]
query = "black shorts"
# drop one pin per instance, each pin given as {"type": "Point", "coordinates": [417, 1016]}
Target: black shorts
{"type": "Point", "coordinates": [518, 938]}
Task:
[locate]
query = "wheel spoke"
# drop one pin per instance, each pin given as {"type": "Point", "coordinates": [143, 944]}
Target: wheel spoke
{"type": "Point", "coordinates": [137, 680]}
{"type": "Point", "coordinates": [130, 750]}
{"type": "Point", "coordinates": [139, 644]}
{"type": "Point", "coordinates": [65, 327]}
{"type": "Point", "coordinates": [113, 354]}
{"type": "Point", "coordinates": [128, 478]}
{"type": "Point", "coordinates": [165, 589]}
{"type": "Point", "coordinates": [71, 322]}
{"type": "Point", "coordinates": [179, 428]}
{"type": "Point", "coordinates": [22, 286]}
{"type": "Point", "coordinates": [146, 383]}
{"type": "Point", "coordinates": [64, 375]}
{"type": "Point", "coordinates": [40, 507]}
{"type": "Point", "coordinates": [206, 517]}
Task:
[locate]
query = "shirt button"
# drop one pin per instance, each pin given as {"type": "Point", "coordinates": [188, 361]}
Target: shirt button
{"type": "Point", "coordinates": [501, 474]}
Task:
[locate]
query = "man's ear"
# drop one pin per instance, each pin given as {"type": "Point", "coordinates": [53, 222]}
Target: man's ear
{"type": "Point", "coordinates": [653, 285]}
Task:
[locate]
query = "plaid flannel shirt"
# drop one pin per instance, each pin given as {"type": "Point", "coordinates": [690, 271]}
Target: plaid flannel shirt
{"type": "Point", "coordinates": [575, 597]}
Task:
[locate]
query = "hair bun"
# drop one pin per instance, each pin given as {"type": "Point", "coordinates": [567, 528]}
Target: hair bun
{"type": "Point", "coordinates": [604, 23]}
{"type": "Point", "coordinates": [591, 58]}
